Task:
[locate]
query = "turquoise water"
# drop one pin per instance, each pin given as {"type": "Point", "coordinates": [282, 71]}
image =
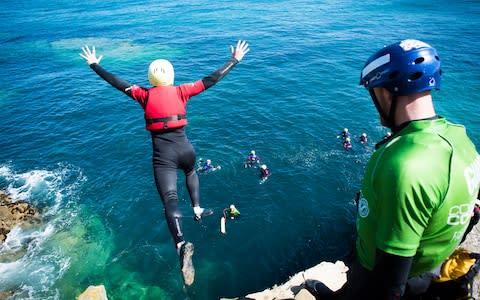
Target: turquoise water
{"type": "Point", "coordinates": [77, 149]}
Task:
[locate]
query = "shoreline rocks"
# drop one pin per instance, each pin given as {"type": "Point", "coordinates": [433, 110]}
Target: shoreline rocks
{"type": "Point", "coordinates": [334, 276]}
{"type": "Point", "coordinates": [13, 213]}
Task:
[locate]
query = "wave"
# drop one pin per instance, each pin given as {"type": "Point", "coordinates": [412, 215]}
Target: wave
{"type": "Point", "coordinates": [30, 265]}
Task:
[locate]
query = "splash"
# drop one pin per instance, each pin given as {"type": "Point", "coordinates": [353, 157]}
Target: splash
{"type": "Point", "coordinates": [36, 259]}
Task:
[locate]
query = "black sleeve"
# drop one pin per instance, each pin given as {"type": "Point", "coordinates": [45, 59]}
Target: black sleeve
{"type": "Point", "coordinates": [116, 82]}
{"type": "Point", "coordinates": [391, 273]}
{"type": "Point", "coordinates": [216, 76]}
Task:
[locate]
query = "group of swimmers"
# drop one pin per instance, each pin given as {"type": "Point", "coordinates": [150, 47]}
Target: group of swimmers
{"type": "Point", "coordinates": [363, 139]}
{"type": "Point", "coordinates": [251, 161]}
{"type": "Point", "coordinates": [347, 141]}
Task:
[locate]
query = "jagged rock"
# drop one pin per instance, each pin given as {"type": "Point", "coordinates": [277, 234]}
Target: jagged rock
{"type": "Point", "coordinates": [334, 277]}
{"type": "Point", "coordinates": [304, 295]}
{"type": "Point", "coordinates": [14, 213]}
{"type": "Point", "coordinates": [5, 294]}
{"type": "Point", "coordinates": [94, 293]}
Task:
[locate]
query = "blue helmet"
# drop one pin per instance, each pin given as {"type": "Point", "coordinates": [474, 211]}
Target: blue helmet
{"type": "Point", "coordinates": [403, 68]}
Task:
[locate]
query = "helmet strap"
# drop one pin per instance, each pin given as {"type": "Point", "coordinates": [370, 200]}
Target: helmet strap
{"type": "Point", "coordinates": [388, 118]}
{"type": "Point", "coordinates": [391, 114]}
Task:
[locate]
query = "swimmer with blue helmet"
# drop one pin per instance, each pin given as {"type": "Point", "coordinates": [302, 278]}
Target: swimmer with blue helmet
{"type": "Point", "coordinates": [344, 134]}
{"type": "Point", "coordinates": [252, 160]}
{"type": "Point", "coordinates": [208, 167]}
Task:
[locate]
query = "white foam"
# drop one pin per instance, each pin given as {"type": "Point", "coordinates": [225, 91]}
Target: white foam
{"type": "Point", "coordinates": [37, 266]}
{"type": "Point", "coordinates": [24, 185]}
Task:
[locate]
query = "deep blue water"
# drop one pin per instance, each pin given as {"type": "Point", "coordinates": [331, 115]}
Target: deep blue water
{"type": "Point", "coordinates": [77, 149]}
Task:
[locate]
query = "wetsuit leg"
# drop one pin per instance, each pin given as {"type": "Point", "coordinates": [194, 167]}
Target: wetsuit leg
{"type": "Point", "coordinates": [172, 151]}
{"type": "Point", "coordinates": [166, 182]}
{"type": "Point", "coordinates": [187, 164]}
{"type": "Point", "coordinates": [193, 186]}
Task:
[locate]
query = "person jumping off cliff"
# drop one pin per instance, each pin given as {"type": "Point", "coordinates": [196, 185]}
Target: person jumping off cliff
{"type": "Point", "coordinates": [164, 108]}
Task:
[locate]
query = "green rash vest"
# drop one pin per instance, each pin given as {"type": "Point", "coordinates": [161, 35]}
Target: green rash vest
{"type": "Point", "coordinates": [418, 194]}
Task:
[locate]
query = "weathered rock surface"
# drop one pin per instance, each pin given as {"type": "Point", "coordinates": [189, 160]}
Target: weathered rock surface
{"type": "Point", "coordinates": [334, 276]}
{"type": "Point", "coordinates": [14, 213]}
{"type": "Point", "coordinates": [94, 292]}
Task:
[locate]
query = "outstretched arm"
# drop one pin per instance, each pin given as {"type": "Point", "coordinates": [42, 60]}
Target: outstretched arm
{"type": "Point", "coordinates": [237, 55]}
{"type": "Point", "coordinates": [93, 61]}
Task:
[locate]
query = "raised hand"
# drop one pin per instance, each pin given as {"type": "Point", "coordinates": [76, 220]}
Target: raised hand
{"type": "Point", "coordinates": [240, 50]}
{"type": "Point", "coordinates": [90, 55]}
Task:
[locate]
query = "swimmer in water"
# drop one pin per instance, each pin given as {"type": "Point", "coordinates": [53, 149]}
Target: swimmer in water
{"type": "Point", "coordinates": [264, 172]}
{"type": "Point", "coordinates": [252, 160]}
{"type": "Point", "coordinates": [347, 144]}
{"type": "Point", "coordinates": [364, 138]}
{"type": "Point", "coordinates": [208, 167]}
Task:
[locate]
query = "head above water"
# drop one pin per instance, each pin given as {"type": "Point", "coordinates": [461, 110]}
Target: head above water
{"type": "Point", "coordinates": [161, 73]}
{"type": "Point", "coordinates": [403, 68]}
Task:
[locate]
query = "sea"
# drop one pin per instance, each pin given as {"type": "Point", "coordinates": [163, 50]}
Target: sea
{"type": "Point", "coordinates": [77, 150]}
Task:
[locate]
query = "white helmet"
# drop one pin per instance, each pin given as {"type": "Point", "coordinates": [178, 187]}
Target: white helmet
{"type": "Point", "coordinates": [264, 167]}
{"type": "Point", "coordinates": [160, 72]}
{"type": "Point", "coordinates": [252, 152]}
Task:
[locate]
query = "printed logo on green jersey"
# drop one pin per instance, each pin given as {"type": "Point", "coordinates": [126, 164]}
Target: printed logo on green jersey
{"type": "Point", "coordinates": [363, 209]}
{"type": "Point", "coordinates": [472, 176]}
{"type": "Point", "coordinates": [459, 214]}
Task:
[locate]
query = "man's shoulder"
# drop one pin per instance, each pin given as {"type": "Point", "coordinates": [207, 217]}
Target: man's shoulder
{"type": "Point", "coordinates": [415, 154]}
{"type": "Point", "coordinates": [417, 143]}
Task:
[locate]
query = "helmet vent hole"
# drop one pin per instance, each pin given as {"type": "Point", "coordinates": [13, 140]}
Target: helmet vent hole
{"type": "Point", "coordinates": [415, 76]}
{"type": "Point", "coordinates": [437, 58]}
{"type": "Point", "coordinates": [393, 74]}
{"type": "Point", "coordinates": [419, 60]}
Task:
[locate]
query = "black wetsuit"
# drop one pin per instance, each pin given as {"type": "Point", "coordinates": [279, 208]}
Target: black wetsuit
{"type": "Point", "coordinates": [171, 151]}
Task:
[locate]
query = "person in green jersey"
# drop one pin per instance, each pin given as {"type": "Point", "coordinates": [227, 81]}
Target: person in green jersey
{"type": "Point", "coordinates": [419, 187]}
